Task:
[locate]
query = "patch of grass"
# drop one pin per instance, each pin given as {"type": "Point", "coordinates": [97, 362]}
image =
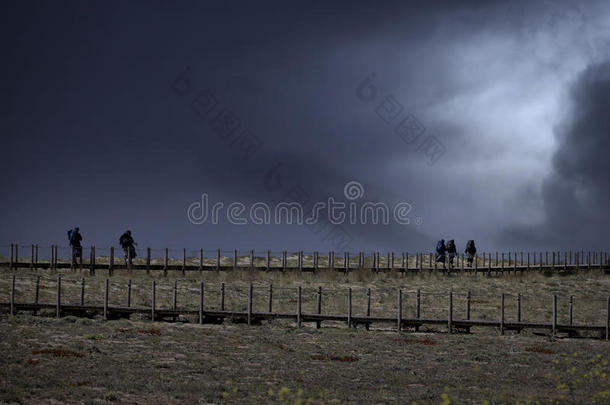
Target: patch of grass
{"type": "Point", "coordinates": [59, 352]}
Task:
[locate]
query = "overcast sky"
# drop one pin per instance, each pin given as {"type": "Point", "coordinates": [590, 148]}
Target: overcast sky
{"type": "Point", "coordinates": [110, 109]}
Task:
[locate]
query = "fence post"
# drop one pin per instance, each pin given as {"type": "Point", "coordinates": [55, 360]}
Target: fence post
{"type": "Point", "coordinates": [234, 259]}
{"type": "Point", "coordinates": [601, 254]}
{"type": "Point", "coordinates": [16, 255]}
{"type": "Point", "coordinates": [11, 259]}
{"type": "Point", "coordinates": [553, 261]}
{"type": "Point", "coordinates": [175, 295]}
{"type": "Point", "coordinates": [349, 307]}
{"type": "Point", "coordinates": [222, 296]}
{"type": "Point", "coordinates": [111, 261]}
{"type": "Point", "coordinates": [128, 293]}
{"type": "Point", "coordinates": [106, 301]}
{"type": "Point", "coordinates": [218, 260]}
{"type": "Point", "coordinates": [147, 260]}
{"type": "Point", "coordinates": [13, 296]}
{"type": "Point", "coordinates": [554, 314]}
{"type": "Point", "coordinates": [200, 260]}
{"type": "Point", "coordinates": [251, 259]}
{"type": "Point", "coordinates": [36, 289]}
{"type": "Point", "coordinates": [183, 261]}
{"type": "Point", "coordinates": [250, 288]}
{"type": "Point", "coordinates": [58, 305]}
{"type": "Point", "coordinates": [270, 298]}
{"type": "Point", "coordinates": [418, 307]}
{"type": "Point", "coordinates": [571, 305]}
{"type": "Point", "coordinates": [92, 261]}
{"type": "Point", "coordinates": [503, 262]}
{"type": "Point", "coordinates": [201, 292]}
{"type": "Point", "coordinates": [299, 306]}
{"type": "Point", "coordinates": [346, 261]}
{"type": "Point", "coordinates": [608, 318]}
{"type": "Point", "coordinates": [284, 260]}
{"type": "Point", "coordinates": [268, 260]}
{"type": "Point", "coordinates": [52, 260]}
{"type": "Point", "coordinates": [368, 306]}
{"type": "Point", "coordinates": [391, 261]}
{"type": "Point", "coordinates": [468, 305]}
{"type": "Point", "coordinates": [319, 302]}
{"type": "Point", "coordinates": [399, 311]}
{"type": "Point", "coordinates": [129, 258]}
{"type": "Point", "coordinates": [331, 260]}
{"type": "Point", "coordinates": [82, 291]}
{"type": "Point", "coordinates": [152, 306]}
{"type": "Point", "coordinates": [165, 262]}
{"type": "Point", "coordinates": [518, 307]}
{"type": "Point", "coordinates": [300, 260]}
{"type": "Point", "coordinates": [450, 317]}
{"type": "Point", "coordinates": [32, 258]}
{"type": "Point", "coordinates": [502, 315]}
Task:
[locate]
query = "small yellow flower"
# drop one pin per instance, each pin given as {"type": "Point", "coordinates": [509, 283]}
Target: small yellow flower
{"type": "Point", "coordinates": [270, 392]}
{"type": "Point", "coordinates": [225, 394]}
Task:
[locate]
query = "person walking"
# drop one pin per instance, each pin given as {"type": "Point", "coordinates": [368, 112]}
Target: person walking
{"type": "Point", "coordinates": [75, 239]}
{"type": "Point", "coordinates": [127, 243]}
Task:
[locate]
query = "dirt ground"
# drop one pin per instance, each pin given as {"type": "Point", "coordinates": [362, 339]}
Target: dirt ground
{"type": "Point", "coordinates": [83, 360]}
{"type": "Point", "coordinates": [80, 360]}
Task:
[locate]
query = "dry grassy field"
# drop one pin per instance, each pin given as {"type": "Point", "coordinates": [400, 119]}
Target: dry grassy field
{"type": "Point", "coordinates": [89, 360]}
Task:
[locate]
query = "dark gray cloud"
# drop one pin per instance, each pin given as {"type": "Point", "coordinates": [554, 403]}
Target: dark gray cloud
{"type": "Point", "coordinates": [577, 194]}
{"type": "Point", "coordinates": [95, 133]}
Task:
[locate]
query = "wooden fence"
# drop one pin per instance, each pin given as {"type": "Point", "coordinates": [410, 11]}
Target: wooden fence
{"type": "Point", "coordinates": [452, 322]}
{"type": "Point", "coordinates": [217, 260]}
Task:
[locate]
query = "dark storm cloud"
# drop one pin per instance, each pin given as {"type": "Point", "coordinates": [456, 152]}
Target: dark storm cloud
{"type": "Point", "coordinates": [577, 193]}
{"type": "Point", "coordinates": [94, 122]}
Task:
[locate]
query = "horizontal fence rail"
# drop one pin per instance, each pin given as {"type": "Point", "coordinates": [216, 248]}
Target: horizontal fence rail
{"type": "Point", "coordinates": [92, 258]}
{"type": "Point", "coordinates": [251, 304]}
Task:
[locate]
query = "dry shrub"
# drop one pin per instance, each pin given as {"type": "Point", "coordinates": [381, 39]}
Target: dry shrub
{"type": "Point", "coordinates": [59, 352]}
{"type": "Point", "coordinates": [539, 350]}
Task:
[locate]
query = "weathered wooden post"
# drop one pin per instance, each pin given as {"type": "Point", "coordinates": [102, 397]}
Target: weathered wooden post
{"type": "Point", "coordinates": [503, 262]}
{"type": "Point", "coordinates": [175, 296]}
{"type": "Point", "coordinates": [570, 306]}
{"type": "Point", "coordinates": [234, 259]}
{"type": "Point", "coordinates": [319, 304]}
{"type": "Point", "coordinates": [391, 260]}
{"type": "Point", "coordinates": [251, 259]}
{"type": "Point", "coordinates": [346, 261]}
{"type": "Point", "coordinates": [553, 261]}
{"type": "Point", "coordinates": [468, 305]}
{"type": "Point", "coordinates": [129, 259]}
{"type": "Point", "coordinates": [13, 296]}
{"type": "Point", "coordinates": [16, 255]}
{"type": "Point", "coordinates": [147, 260]}
{"type": "Point", "coordinates": [418, 307]}
{"type": "Point", "coordinates": [399, 311]}
{"type": "Point", "coordinates": [450, 317]}
{"type": "Point", "coordinates": [128, 293]}
{"type": "Point", "coordinates": [368, 306]}
{"type": "Point", "coordinates": [58, 305]}
{"type": "Point", "coordinates": [166, 262]}
{"type": "Point", "coordinates": [183, 262]}
{"type": "Point", "coordinates": [360, 260]}
{"type": "Point", "coordinates": [106, 301]}
{"type": "Point", "coordinates": [111, 262]}
{"type": "Point", "coordinates": [331, 259]}
{"type": "Point", "coordinates": [11, 259]}
{"type": "Point", "coordinates": [92, 261]}
{"type": "Point", "coordinates": [218, 260]}
{"type": "Point", "coordinates": [284, 260]}
{"type": "Point", "coordinates": [349, 307]}
{"type": "Point", "coordinates": [299, 306]}
{"type": "Point", "coordinates": [270, 309]}
{"type": "Point", "coordinates": [518, 307]}
{"type": "Point", "coordinates": [554, 314]}
{"type": "Point", "coordinates": [315, 261]}
{"type": "Point", "coordinates": [32, 258]}
{"type": "Point", "coordinates": [502, 314]}
{"type": "Point", "coordinates": [300, 260]}
{"type": "Point", "coordinates": [250, 293]}
{"type": "Point", "coordinates": [36, 289]}
{"type": "Point", "coordinates": [153, 299]}
{"type": "Point", "coordinates": [200, 260]}
{"type": "Point", "coordinates": [201, 292]}
{"type": "Point", "coordinates": [222, 296]}
{"type": "Point", "coordinates": [268, 261]}
{"type": "Point", "coordinates": [608, 318]}
{"type": "Point", "coordinates": [82, 291]}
